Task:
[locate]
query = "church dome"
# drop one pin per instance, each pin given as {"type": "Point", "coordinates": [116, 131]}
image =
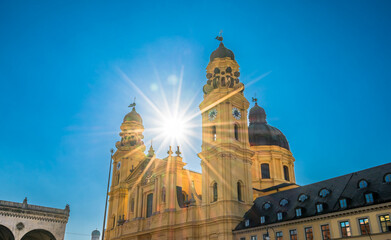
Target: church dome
{"type": "Point", "coordinates": [222, 52]}
{"type": "Point", "coordinates": [133, 116]}
{"type": "Point", "coordinates": [260, 133]}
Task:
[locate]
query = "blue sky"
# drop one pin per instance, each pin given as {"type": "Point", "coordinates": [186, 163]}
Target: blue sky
{"type": "Point", "coordinates": [63, 96]}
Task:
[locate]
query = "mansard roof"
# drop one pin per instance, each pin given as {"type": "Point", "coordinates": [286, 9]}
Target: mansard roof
{"type": "Point", "coordinates": [334, 189]}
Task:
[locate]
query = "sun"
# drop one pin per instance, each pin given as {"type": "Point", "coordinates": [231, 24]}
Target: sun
{"type": "Point", "coordinates": [174, 129]}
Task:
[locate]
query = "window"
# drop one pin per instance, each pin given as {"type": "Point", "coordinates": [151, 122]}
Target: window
{"type": "Point", "coordinates": [214, 135]}
{"type": "Point", "coordinates": [262, 219]}
{"type": "Point", "coordinates": [278, 235]}
{"type": "Point", "coordinates": [132, 205]}
{"type": "Point", "coordinates": [236, 129]}
{"type": "Point", "coordinates": [345, 229]}
{"type": "Point", "coordinates": [286, 173]}
{"type": "Point", "coordinates": [215, 194]}
{"type": "Point", "coordinates": [283, 202]}
{"type": "Point", "coordinates": [293, 234]}
{"type": "Point", "coordinates": [113, 221]}
{"type": "Point", "coordinates": [319, 207]}
{"type": "Point", "coordinates": [242, 238]}
{"type": "Point", "coordinates": [342, 203]}
{"type": "Point", "coordinates": [325, 232]}
{"type": "Point", "coordinates": [279, 216]}
{"type": "Point", "coordinates": [363, 184]}
{"type": "Point", "coordinates": [239, 188]}
{"type": "Point", "coordinates": [118, 178]}
{"type": "Point", "coordinates": [267, 206]}
{"type": "Point", "coordinates": [265, 171]}
{"type": "Point", "coordinates": [368, 198]}
{"type": "Point", "coordinates": [184, 196]}
{"type": "Point", "coordinates": [387, 178]}
{"type": "Point", "coordinates": [254, 237]}
{"type": "Point", "coordinates": [298, 212]}
{"type": "Point", "coordinates": [308, 233]}
{"type": "Point", "coordinates": [265, 236]}
{"type": "Point", "coordinates": [163, 194]}
{"type": "Point", "coordinates": [247, 223]}
{"type": "Point", "coordinates": [364, 226]}
{"type": "Point", "coordinates": [149, 204]}
{"type": "Point", "coordinates": [385, 223]}
{"type": "Point", "coordinates": [324, 192]}
{"type": "Point", "coordinates": [302, 197]}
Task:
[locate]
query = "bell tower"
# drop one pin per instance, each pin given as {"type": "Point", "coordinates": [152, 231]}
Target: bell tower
{"type": "Point", "coordinates": [130, 152]}
{"type": "Point", "coordinates": [226, 155]}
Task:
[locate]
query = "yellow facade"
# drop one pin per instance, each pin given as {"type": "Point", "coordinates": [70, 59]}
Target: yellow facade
{"type": "Point", "coordinates": [332, 220]}
{"type": "Point", "coordinates": [154, 198]}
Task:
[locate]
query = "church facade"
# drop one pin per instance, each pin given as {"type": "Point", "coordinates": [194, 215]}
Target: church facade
{"type": "Point", "coordinates": [157, 198]}
{"type": "Point", "coordinates": [247, 188]}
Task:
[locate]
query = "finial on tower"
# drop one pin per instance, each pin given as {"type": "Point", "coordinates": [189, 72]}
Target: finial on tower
{"type": "Point", "coordinates": [169, 151]}
{"type": "Point", "coordinates": [133, 104]}
{"type": "Point", "coordinates": [220, 37]}
{"type": "Point", "coordinates": [178, 152]}
{"type": "Point", "coordinates": [255, 99]}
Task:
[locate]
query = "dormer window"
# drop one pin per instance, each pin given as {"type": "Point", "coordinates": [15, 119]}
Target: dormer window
{"type": "Point", "coordinates": [363, 184]}
{"type": "Point", "coordinates": [263, 219]}
{"type": "Point", "coordinates": [267, 206]}
{"type": "Point", "coordinates": [283, 202]}
{"type": "Point", "coordinates": [247, 223]}
{"type": "Point", "coordinates": [302, 197]}
{"type": "Point", "coordinates": [324, 193]}
{"type": "Point", "coordinates": [387, 178]}
{"type": "Point", "coordinates": [343, 203]}
{"type": "Point", "coordinates": [279, 216]}
{"type": "Point", "coordinates": [369, 198]}
{"type": "Point", "coordinates": [319, 207]}
{"type": "Point", "coordinates": [298, 212]}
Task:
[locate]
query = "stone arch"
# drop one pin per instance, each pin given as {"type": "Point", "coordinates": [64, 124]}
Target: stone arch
{"type": "Point", "coordinates": [38, 234]}
{"type": "Point", "coordinates": [5, 233]}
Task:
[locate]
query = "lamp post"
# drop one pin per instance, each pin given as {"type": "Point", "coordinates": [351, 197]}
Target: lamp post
{"type": "Point", "coordinates": [267, 237]}
{"type": "Point", "coordinates": [107, 194]}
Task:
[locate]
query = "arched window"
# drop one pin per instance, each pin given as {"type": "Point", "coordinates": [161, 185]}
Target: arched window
{"type": "Point", "coordinates": [149, 204]}
{"type": "Point", "coordinates": [163, 194]}
{"type": "Point", "coordinates": [239, 188]}
{"type": "Point", "coordinates": [214, 134]}
{"type": "Point", "coordinates": [387, 178]}
{"type": "Point", "coordinates": [184, 196]}
{"type": "Point", "coordinates": [324, 193]}
{"type": "Point", "coordinates": [302, 197]}
{"type": "Point", "coordinates": [236, 129]}
{"type": "Point", "coordinates": [265, 171]}
{"type": "Point", "coordinates": [363, 184]}
{"type": "Point", "coordinates": [284, 202]}
{"type": "Point", "coordinates": [286, 173]}
{"type": "Point", "coordinates": [117, 178]}
{"type": "Point", "coordinates": [132, 205]}
{"type": "Point", "coordinates": [215, 193]}
{"type": "Point", "coordinates": [113, 221]}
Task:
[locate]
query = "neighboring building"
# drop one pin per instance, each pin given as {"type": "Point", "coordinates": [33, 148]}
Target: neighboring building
{"type": "Point", "coordinates": [95, 235]}
{"type": "Point", "coordinates": [354, 206]}
{"type": "Point", "coordinates": [157, 198]}
{"type": "Point", "coordinates": [23, 221]}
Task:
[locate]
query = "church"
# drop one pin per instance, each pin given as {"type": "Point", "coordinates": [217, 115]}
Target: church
{"type": "Point", "coordinates": [247, 187]}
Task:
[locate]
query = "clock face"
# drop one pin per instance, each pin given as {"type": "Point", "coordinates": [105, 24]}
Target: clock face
{"type": "Point", "coordinates": [212, 114]}
{"type": "Point", "coordinates": [236, 113]}
{"type": "Point", "coordinates": [118, 165]}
